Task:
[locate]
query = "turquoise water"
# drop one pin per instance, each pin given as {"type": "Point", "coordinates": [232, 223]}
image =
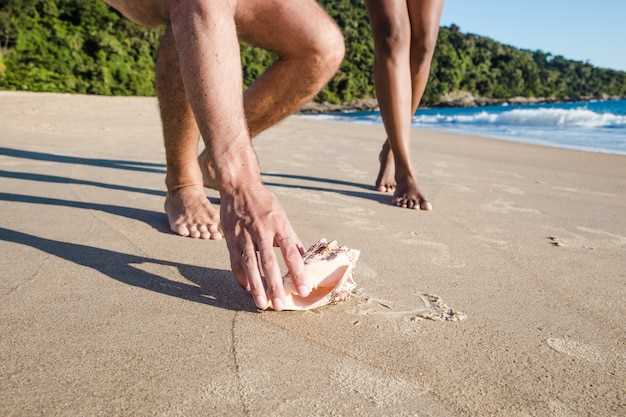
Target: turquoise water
{"type": "Point", "coordinates": [598, 126]}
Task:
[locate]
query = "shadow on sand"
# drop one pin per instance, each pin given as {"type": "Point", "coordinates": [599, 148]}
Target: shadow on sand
{"type": "Point", "coordinates": [151, 167]}
{"type": "Point", "coordinates": [213, 287]}
{"type": "Point", "coordinates": [157, 220]}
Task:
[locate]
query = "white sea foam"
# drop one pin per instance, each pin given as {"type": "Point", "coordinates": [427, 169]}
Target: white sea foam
{"type": "Point", "coordinates": [599, 126]}
{"type": "Point", "coordinates": [581, 118]}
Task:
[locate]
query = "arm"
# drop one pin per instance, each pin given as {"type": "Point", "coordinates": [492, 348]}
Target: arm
{"type": "Point", "coordinates": [252, 219]}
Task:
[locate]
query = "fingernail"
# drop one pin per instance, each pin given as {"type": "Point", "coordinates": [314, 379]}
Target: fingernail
{"type": "Point", "coordinates": [278, 304]}
{"type": "Point", "coordinates": [304, 290]}
{"type": "Point", "coordinates": [260, 302]}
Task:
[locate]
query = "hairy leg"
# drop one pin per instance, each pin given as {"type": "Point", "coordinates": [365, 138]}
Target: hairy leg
{"type": "Point", "coordinates": [392, 36]}
{"type": "Point", "coordinates": [187, 208]}
{"type": "Point", "coordinates": [253, 220]}
{"type": "Point", "coordinates": [310, 49]}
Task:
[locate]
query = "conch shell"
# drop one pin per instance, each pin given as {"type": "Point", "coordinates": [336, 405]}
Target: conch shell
{"type": "Point", "coordinates": [328, 267]}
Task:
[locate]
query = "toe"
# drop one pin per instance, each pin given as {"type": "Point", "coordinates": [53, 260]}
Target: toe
{"type": "Point", "coordinates": [216, 236]}
{"type": "Point", "coordinates": [412, 204]}
{"type": "Point", "coordinates": [425, 205]}
{"type": "Point", "coordinates": [181, 229]}
{"type": "Point", "coordinates": [194, 232]}
{"type": "Point", "coordinates": [204, 231]}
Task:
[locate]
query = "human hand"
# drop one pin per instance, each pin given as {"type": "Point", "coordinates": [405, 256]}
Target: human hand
{"type": "Point", "coordinates": [254, 222]}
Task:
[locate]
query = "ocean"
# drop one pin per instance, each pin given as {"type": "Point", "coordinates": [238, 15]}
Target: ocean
{"type": "Point", "coordinates": [595, 125]}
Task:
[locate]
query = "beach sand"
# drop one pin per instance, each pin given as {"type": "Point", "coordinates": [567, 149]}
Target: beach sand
{"type": "Point", "coordinates": [104, 313]}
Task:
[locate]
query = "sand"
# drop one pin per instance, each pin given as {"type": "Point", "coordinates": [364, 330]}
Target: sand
{"type": "Point", "coordinates": [104, 313]}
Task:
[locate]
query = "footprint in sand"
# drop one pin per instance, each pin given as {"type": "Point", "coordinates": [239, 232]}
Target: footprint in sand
{"type": "Point", "coordinates": [579, 191]}
{"type": "Point", "coordinates": [499, 243]}
{"type": "Point", "coordinates": [441, 252]}
{"type": "Point", "coordinates": [508, 173]}
{"type": "Point", "coordinates": [563, 237]}
{"type": "Point", "coordinates": [364, 224]}
{"type": "Point", "coordinates": [441, 173]}
{"type": "Point", "coordinates": [356, 210]}
{"type": "Point", "coordinates": [507, 207]}
{"type": "Point", "coordinates": [617, 240]}
{"type": "Point", "coordinates": [459, 187]}
{"type": "Point", "coordinates": [374, 385]}
{"type": "Point", "coordinates": [509, 189]}
{"type": "Point", "coordinates": [576, 349]}
{"type": "Point", "coordinates": [429, 307]}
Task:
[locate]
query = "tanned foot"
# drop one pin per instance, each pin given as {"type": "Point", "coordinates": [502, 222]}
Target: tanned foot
{"type": "Point", "coordinates": [190, 213]}
{"type": "Point", "coordinates": [208, 176]}
{"type": "Point", "coordinates": [407, 195]}
{"type": "Point", "coordinates": [386, 180]}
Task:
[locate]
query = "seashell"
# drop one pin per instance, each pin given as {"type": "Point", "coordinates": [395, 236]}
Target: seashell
{"type": "Point", "coordinates": [328, 267]}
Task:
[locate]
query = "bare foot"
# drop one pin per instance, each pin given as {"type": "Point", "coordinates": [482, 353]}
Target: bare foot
{"type": "Point", "coordinates": [190, 213]}
{"type": "Point", "coordinates": [407, 195]}
{"type": "Point", "coordinates": [208, 175]}
{"type": "Point", "coordinates": [386, 180]}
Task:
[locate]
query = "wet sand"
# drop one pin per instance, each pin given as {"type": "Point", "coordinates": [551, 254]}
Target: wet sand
{"type": "Point", "coordinates": [105, 313]}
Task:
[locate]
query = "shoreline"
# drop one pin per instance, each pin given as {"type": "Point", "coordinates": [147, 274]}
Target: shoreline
{"type": "Point", "coordinates": [459, 132]}
{"type": "Point", "coordinates": [370, 104]}
{"type": "Point", "coordinates": [463, 100]}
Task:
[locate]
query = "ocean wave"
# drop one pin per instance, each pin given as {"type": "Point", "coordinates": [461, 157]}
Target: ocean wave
{"type": "Point", "coordinates": [559, 118]}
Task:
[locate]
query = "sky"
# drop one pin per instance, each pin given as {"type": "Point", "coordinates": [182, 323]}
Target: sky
{"type": "Point", "coordinates": [593, 31]}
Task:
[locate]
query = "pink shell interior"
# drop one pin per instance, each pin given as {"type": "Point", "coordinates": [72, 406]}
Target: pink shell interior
{"type": "Point", "coordinates": [328, 267]}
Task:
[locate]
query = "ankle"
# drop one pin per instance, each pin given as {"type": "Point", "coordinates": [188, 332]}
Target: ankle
{"type": "Point", "coordinates": [404, 174]}
{"type": "Point", "coordinates": [178, 177]}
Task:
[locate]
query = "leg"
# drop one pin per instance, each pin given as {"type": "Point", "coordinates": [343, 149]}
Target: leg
{"type": "Point", "coordinates": [310, 49]}
{"type": "Point", "coordinates": [425, 16]}
{"type": "Point", "coordinates": [392, 37]}
{"type": "Point", "coordinates": [253, 220]}
{"type": "Point", "coordinates": [188, 210]}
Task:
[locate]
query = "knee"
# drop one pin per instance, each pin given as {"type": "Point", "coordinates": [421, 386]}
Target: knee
{"type": "Point", "coordinates": [423, 44]}
{"type": "Point", "coordinates": [393, 36]}
{"type": "Point", "coordinates": [326, 53]}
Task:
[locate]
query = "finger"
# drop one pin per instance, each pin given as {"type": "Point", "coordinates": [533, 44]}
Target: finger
{"type": "Point", "coordinates": [251, 270]}
{"type": "Point", "coordinates": [235, 264]}
{"type": "Point", "coordinates": [301, 248]}
{"type": "Point", "coordinates": [294, 262]}
{"type": "Point", "coordinates": [272, 275]}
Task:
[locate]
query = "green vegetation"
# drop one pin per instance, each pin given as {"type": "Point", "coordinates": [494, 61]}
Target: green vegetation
{"type": "Point", "coordinates": [83, 46]}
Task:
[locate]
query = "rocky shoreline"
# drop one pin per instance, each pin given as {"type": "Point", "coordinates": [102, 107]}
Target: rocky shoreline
{"type": "Point", "coordinates": [456, 99]}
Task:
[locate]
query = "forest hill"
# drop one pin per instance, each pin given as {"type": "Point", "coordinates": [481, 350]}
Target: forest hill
{"type": "Point", "coordinates": [86, 47]}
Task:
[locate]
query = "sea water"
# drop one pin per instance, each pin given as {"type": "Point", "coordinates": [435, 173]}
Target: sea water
{"type": "Point", "coordinates": [594, 125]}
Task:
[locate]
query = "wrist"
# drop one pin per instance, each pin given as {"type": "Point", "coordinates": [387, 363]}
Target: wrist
{"type": "Point", "coordinates": [237, 169]}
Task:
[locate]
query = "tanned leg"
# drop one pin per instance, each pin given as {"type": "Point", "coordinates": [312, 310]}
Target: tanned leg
{"type": "Point", "coordinates": [188, 210]}
{"type": "Point", "coordinates": [310, 49]}
{"type": "Point", "coordinates": [425, 16]}
{"type": "Point", "coordinates": [392, 38]}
